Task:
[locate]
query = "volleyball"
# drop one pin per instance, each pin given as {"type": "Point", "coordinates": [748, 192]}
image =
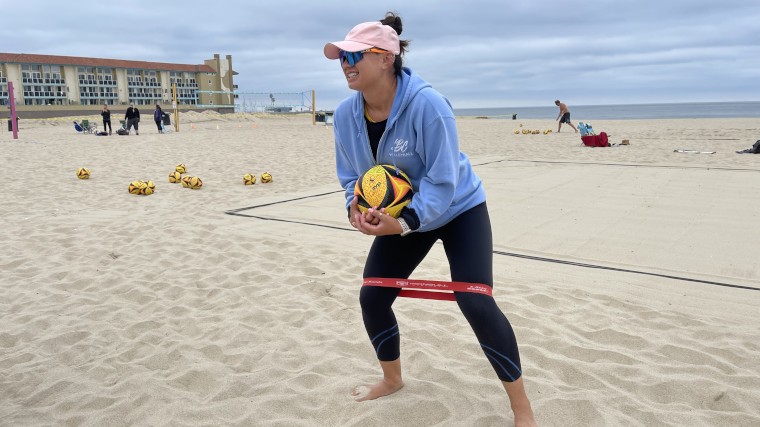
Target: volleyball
{"type": "Point", "coordinates": [136, 187]}
{"type": "Point", "coordinates": [83, 173]}
{"type": "Point", "coordinates": [195, 183]}
{"type": "Point", "coordinates": [383, 186]}
{"type": "Point", "coordinates": [180, 168]}
{"type": "Point", "coordinates": [266, 177]}
{"type": "Point", "coordinates": [175, 177]}
{"type": "Point", "coordinates": [149, 189]}
{"type": "Point", "coordinates": [185, 181]}
{"type": "Point", "coordinates": [249, 179]}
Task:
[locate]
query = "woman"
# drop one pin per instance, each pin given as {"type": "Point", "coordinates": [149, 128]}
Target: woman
{"type": "Point", "coordinates": [106, 114]}
{"type": "Point", "coordinates": [158, 117]}
{"type": "Point", "coordinates": [397, 118]}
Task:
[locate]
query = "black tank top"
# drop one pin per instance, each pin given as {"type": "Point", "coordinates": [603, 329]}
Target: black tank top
{"type": "Point", "coordinates": [375, 132]}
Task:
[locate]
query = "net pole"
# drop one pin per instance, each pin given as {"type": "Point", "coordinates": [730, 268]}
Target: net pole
{"type": "Point", "coordinates": [176, 107]}
{"type": "Point", "coordinates": [14, 116]}
{"type": "Point", "coordinates": [313, 108]}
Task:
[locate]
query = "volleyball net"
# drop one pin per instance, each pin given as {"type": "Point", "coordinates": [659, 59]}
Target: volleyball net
{"type": "Point", "coordinates": [264, 102]}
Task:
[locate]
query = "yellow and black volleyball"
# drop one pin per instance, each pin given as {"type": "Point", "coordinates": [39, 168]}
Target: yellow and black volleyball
{"type": "Point", "coordinates": [180, 168]}
{"type": "Point", "coordinates": [175, 177]}
{"type": "Point", "coordinates": [136, 187]}
{"type": "Point", "coordinates": [149, 189]}
{"type": "Point", "coordinates": [266, 177]}
{"type": "Point", "coordinates": [83, 173]}
{"type": "Point", "coordinates": [195, 183]}
{"type": "Point", "coordinates": [186, 181]}
{"type": "Point", "coordinates": [383, 186]}
{"type": "Point", "coordinates": [249, 179]}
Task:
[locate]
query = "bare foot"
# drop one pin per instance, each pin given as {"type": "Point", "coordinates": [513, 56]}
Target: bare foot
{"type": "Point", "coordinates": [383, 388]}
{"type": "Point", "coordinates": [525, 420]}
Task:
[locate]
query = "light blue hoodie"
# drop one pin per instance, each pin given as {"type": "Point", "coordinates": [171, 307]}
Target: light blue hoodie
{"type": "Point", "coordinates": [420, 139]}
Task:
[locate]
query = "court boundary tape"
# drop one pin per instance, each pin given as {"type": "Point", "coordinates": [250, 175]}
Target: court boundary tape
{"type": "Point", "coordinates": [237, 212]}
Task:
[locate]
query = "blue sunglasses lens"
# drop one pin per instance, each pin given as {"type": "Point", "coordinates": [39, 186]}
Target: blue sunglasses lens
{"type": "Point", "coordinates": [351, 57]}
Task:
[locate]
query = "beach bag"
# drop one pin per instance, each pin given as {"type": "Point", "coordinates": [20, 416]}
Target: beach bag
{"type": "Point", "coordinates": [600, 140]}
{"type": "Point", "coordinates": [122, 132]}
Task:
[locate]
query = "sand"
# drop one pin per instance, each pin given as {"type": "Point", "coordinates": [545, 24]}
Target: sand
{"type": "Point", "coordinates": [630, 275]}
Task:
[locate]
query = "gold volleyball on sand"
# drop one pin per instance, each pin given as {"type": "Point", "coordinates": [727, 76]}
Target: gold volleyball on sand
{"type": "Point", "coordinates": [83, 173]}
{"type": "Point", "coordinates": [266, 177]}
{"type": "Point", "coordinates": [185, 180]}
{"type": "Point", "coordinates": [195, 183]}
{"type": "Point", "coordinates": [249, 179]}
{"type": "Point", "coordinates": [136, 187]}
{"type": "Point", "coordinates": [149, 189]}
{"type": "Point", "coordinates": [175, 177]}
{"type": "Point", "coordinates": [181, 168]}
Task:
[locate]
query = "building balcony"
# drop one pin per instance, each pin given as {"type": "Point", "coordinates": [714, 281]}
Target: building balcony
{"type": "Point", "coordinates": [43, 94]}
{"type": "Point", "coordinates": [143, 84]}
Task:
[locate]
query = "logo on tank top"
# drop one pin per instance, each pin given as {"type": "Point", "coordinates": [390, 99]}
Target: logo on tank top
{"type": "Point", "coordinates": [400, 146]}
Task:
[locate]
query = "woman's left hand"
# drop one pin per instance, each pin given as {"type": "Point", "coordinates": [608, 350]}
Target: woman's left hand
{"type": "Point", "coordinates": [378, 224]}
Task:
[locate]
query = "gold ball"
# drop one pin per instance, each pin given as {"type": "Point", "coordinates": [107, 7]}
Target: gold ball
{"type": "Point", "coordinates": [83, 173]}
{"type": "Point", "coordinates": [249, 179]}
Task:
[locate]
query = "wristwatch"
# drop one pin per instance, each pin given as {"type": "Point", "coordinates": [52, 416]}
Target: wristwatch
{"type": "Point", "coordinates": [404, 227]}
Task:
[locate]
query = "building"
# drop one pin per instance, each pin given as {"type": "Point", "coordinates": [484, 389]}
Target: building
{"type": "Point", "coordinates": [50, 86]}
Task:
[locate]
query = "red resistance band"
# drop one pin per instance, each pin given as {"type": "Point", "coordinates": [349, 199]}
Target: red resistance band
{"type": "Point", "coordinates": [429, 289]}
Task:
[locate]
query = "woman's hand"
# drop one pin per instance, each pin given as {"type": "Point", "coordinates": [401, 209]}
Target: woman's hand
{"type": "Point", "coordinates": [374, 222]}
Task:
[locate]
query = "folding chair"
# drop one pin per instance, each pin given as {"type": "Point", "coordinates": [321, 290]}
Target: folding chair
{"type": "Point", "coordinates": [89, 127]}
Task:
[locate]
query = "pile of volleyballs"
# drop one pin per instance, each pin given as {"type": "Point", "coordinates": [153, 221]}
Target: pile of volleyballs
{"type": "Point", "coordinates": [146, 188]}
{"type": "Point", "coordinates": [187, 181]}
{"type": "Point", "coordinates": [250, 179]}
{"type": "Point", "coordinates": [142, 188]}
{"type": "Point", "coordinates": [533, 132]}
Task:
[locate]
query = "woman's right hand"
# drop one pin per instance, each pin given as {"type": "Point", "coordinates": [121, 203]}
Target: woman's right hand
{"type": "Point", "coordinates": [355, 214]}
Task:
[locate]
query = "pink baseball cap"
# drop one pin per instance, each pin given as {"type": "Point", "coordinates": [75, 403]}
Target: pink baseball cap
{"type": "Point", "coordinates": [364, 36]}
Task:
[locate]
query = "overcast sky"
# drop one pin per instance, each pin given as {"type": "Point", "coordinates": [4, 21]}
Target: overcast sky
{"type": "Point", "coordinates": [478, 53]}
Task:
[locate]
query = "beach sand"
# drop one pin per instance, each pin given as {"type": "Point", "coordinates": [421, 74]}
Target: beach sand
{"type": "Point", "coordinates": [630, 275]}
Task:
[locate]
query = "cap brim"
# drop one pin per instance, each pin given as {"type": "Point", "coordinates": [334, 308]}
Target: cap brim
{"type": "Point", "coordinates": [333, 49]}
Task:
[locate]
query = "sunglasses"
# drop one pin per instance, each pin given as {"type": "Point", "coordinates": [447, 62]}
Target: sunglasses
{"type": "Point", "coordinates": [354, 57]}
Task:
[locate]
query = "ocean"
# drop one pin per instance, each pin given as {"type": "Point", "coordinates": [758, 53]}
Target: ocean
{"type": "Point", "coordinates": [696, 110]}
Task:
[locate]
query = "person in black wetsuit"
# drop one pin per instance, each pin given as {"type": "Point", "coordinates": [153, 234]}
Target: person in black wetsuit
{"type": "Point", "coordinates": [397, 118]}
{"type": "Point", "coordinates": [106, 113]}
{"type": "Point", "coordinates": [133, 118]}
{"type": "Point", "coordinates": [158, 117]}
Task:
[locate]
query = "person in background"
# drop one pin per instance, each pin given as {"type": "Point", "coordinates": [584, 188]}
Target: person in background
{"type": "Point", "coordinates": [133, 118]}
{"type": "Point", "coordinates": [564, 116]}
{"type": "Point", "coordinates": [106, 113]}
{"type": "Point", "coordinates": [158, 117]}
{"type": "Point", "coordinates": [395, 117]}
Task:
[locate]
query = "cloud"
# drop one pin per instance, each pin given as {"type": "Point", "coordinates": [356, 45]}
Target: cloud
{"type": "Point", "coordinates": [478, 54]}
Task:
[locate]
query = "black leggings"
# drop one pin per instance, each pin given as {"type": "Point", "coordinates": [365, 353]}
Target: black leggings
{"type": "Point", "coordinates": [468, 244]}
{"type": "Point", "coordinates": [107, 124]}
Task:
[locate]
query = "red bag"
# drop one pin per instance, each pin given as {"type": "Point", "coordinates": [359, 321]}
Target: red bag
{"type": "Point", "coordinates": [596, 140]}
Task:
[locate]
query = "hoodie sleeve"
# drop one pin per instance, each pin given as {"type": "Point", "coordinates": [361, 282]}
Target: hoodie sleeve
{"type": "Point", "coordinates": [438, 146]}
{"type": "Point", "coordinates": [346, 172]}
